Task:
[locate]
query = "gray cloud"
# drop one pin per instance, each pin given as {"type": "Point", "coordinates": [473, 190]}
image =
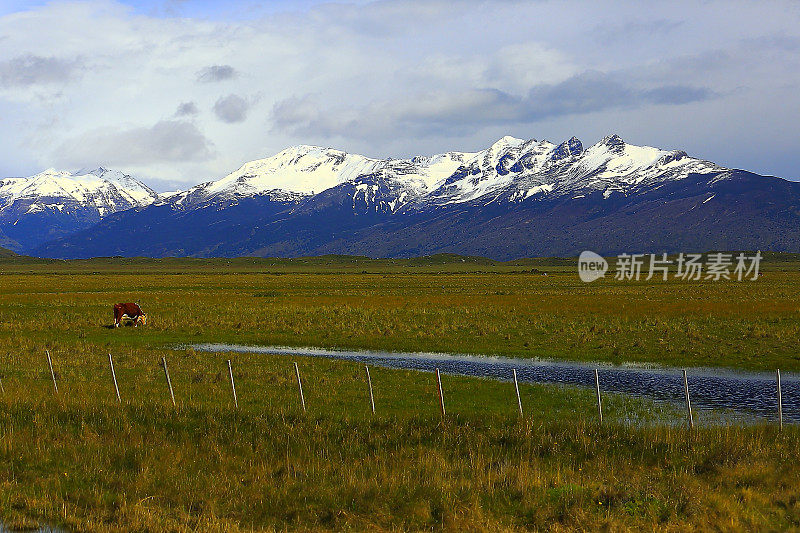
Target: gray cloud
{"type": "Point", "coordinates": [595, 91]}
{"type": "Point", "coordinates": [187, 109]}
{"type": "Point", "coordinates": [678, 94]}
{"type": "Point", "coordinates": [166, 141]}
{"type": "Point", "coordinates": [465, 111]}
{"type": "Point", "coordinates": [31, 69]}
{"type": "Point", "coordinates": [216, 73]}
{"type": "Point", "coordinates": [231, 109]}
{"type": "Point", "coordinates": [585, 93]}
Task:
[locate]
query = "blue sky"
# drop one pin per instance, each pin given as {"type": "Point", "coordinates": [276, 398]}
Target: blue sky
{"type": "Point", "coordinates": [179, 92]}
{"type": "Point", "coordinates": [230, 10]}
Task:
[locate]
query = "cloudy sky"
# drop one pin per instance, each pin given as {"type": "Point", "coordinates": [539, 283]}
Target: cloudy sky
{"type": "Point", "coordinates": [183, 91]}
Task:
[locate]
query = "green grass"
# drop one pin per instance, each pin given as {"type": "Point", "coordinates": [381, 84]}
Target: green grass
{"type": "Point", "coordinates": [149, 468]}
{"type": "Point", "coordinates": [82, 461]}
{"type": "Point", "coordinates": [750, 325]}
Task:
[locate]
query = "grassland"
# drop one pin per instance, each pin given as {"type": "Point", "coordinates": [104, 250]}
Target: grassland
{"type": "Point", "coordinates": [81, 460]}
{"type": "Point", "coordinates": [451, 306]}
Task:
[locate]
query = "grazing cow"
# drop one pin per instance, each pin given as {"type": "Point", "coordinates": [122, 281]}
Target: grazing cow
{"type": "Point", "coordinates": [129, 311]}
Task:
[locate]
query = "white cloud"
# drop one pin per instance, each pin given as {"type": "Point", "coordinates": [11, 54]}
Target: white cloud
{"type": "Point", "coordinates": [392, 78]}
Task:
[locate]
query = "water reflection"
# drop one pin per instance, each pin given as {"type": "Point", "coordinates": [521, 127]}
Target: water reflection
{"type": "Point", "coordinates": [723, 389]}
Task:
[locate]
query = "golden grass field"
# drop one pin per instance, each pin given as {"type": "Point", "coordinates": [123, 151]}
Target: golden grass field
{"type": "Point", "coordinates": [81, 461]}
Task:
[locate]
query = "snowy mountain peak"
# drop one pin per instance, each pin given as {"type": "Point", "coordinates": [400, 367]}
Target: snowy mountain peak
{"type": "Point", "coordinates": [301, 169]}
{"type": "Point", "coordinates": [511, 168]}
{"type": "Point", "coordinates": [517, 171]}
{"type": "Point", "coordinates": [99, 171]}
{"type": "Point", "coordinates": [612, 140]}
{"type": "Point", "coordinates": [102, 172]}
{"type": "Point", "coordinates": [50, 172]}
{"type": "Point", "coordinates": [103, 191]}
{"type": "Point", "coordinates": [508, 142]}
{"type": "Point", "coordinates": [572, 147]}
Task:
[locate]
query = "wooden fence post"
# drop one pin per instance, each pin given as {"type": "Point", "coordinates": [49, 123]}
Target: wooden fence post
{"type": "Point", "coordinates": [371, 397]}
{"type": "Point", "coordinates": [780, 399]}
{"type": "Point", "coordinates": [114, 377]}
{"type": "Point", "coordinates": [516, 388]}
{"type": "Point", "coordinates": [441, 396]}
{"type": "Point", "coordinates": [169, 381]}
{"type": "Point", "coordinates": [233, 386]}
{"type": "Point", "coordinates": [52, 374]}
{"type": "Point", "coordinates": [688, 401]}
{"type": "Point", "coordinates": [599, 401]}
{"type": "Point", "coordinates": [300, 387]}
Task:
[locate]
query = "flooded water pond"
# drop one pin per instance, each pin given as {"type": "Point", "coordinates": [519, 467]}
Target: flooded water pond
{"type": "Point", "coordinates": [753, 394]}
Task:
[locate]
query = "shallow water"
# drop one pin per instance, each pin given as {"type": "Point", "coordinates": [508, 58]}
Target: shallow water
{"type": "Point", "coordinates": [752, 394]}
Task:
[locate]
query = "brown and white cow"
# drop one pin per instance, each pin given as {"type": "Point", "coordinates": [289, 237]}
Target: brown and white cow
{"type": "Point", "coordinates": [129, 311]}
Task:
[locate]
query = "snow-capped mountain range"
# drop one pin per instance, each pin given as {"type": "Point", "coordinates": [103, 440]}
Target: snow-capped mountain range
{"type": "Point", "coordinates": [107, 191]}
{"type": "Point", "coordinates": [511, 169]}
{"type": "Point", "coordinates": [54, 203]}
{"type": "Point", "coordinates": [308, 199]}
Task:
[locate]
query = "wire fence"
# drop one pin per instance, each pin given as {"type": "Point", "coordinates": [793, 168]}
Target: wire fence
{"type": "Point", "coordinates": [689, 386]}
